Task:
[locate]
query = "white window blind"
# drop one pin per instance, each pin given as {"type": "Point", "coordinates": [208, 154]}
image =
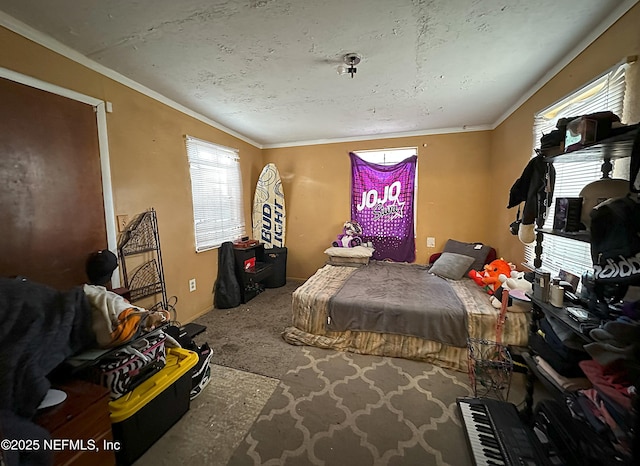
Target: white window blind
{"type": "Point", "coordinates": [387, 156]}
{"type": "Point", "coordinates": [216, 188]}
{"type": "Point", "coordinates": [604, 93]}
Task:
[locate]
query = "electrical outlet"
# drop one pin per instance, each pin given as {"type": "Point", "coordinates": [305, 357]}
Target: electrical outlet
{"type": "Point", "coordinates": [123, 221]}
{"type": "Point", "coordinates": [431, 242]}
{"type": "Point", "coordinates": [192, 284]}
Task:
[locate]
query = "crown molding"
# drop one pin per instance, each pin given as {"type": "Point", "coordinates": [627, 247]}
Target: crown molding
{"type": "Point", "coordinates": [26, 31]}
{"type": "Point", "coordinates": [614, 16]}
{"type": "Point", "coordinates": [48, 42]}
{"type": "Point", "coordinates": [371, 137]}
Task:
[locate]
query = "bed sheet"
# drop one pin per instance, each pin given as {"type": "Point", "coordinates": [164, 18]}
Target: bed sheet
{"type": "Point", "coordinates": [310, 307]}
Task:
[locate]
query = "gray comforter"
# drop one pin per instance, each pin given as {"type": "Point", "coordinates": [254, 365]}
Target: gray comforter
{"type": "Point", "coordinates": [386, 297]}
{"type": "Point", "coordinates": [40, 328]}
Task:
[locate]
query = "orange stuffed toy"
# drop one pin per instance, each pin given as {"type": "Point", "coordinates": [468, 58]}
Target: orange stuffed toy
{"type": "Point", "coordinates": [493, 274]}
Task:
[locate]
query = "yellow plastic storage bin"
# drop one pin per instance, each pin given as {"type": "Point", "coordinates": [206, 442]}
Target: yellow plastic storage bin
{"type": "Point", "coordinates": [142, 416]}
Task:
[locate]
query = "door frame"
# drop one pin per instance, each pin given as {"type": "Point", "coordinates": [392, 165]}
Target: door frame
{"type": "Point", "coordinates": [101, 108]}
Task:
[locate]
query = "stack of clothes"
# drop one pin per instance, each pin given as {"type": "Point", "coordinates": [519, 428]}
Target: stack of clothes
{"type": "Point", "coordinates": [558, 351]}
{"type": "Point", "coordinates": [599, 380]}
{"type": "Point", "coordinates": [614, 372]}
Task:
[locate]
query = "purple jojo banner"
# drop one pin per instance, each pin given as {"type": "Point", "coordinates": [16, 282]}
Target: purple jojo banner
{"type": "Point", "coordinates": [382, 203]}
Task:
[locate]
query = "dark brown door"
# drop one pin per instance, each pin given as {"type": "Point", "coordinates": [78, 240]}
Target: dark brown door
{"type": "Point", "coordinates": [51, 203]}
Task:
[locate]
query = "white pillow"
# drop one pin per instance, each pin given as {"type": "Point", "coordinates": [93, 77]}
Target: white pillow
{"type": "Point", "coordinates": [358, 251]}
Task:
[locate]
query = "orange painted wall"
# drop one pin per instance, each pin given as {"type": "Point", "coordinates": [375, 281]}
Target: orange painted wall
{"type": "Point", "coordinates": [453, 175]}
{"type": "Point", "coordinates": [512, 141]}
{"type": "Point", "coordinates": [464, 178]}
{"type": "Point", "coordinates": [148, 163]}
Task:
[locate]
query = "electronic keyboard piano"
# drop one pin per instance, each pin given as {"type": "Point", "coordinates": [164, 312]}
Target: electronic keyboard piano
{"type": "Point", "coordinates": [497, 436]}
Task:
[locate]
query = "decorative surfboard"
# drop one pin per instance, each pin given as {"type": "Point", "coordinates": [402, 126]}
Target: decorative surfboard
{"type": "Point", "coordinates": [268, 217]}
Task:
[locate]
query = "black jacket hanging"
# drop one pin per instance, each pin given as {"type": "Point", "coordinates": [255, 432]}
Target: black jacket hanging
{"type": "Point", "coordinates": [534, 188]}
{"type": "Point", "coordinates": [227, 293]}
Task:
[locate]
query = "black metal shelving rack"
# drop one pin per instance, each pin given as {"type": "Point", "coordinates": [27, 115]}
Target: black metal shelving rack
{"type": "Point", "coordinates": [615, 147]}
{"type": "Point", "coordinates": [147, 280]}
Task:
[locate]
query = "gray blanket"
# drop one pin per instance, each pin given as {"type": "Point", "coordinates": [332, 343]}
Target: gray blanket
{"type": "Point", "coordinates": [40, 328]}
{"type": "Point", "coordinates": [404, 299]}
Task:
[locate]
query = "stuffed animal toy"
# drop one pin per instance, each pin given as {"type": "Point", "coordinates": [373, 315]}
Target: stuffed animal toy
{"type": "Point", "coordinates": [349, 237]}
{"type": "Point", "coordinates": [518, 282]}
{"type": "Point", "coordinates": [515, 282]}
{"type": "Point", "coordinates": [155, 319]}
{"type": "Point", "coordinates": [493, 275]}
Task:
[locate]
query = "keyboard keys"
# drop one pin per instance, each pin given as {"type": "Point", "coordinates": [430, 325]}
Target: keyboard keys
{"type": "Point", "coordinates": [496, 434]}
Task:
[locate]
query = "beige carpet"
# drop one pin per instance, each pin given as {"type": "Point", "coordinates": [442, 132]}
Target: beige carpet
{"type": "Point", "coordinates": [216, 422]}
{"type": "Point", "coordinates": [339, 408]}
{"type": "Point", "coordinates": [324, 407]}
{"type": "Point", "coordinates": [329, 408]}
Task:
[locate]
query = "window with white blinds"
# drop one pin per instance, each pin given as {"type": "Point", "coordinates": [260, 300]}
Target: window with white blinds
{"type": "Point", "coordinates": [604, 93]}
{"type": "Point", "coordinates": [387, 156]}
{"type": "Point", "coordinates": [216, 189]}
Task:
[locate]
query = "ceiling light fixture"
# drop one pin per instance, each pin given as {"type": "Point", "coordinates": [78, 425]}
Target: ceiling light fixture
{"type": "Point", "coordinates": [350, 62]}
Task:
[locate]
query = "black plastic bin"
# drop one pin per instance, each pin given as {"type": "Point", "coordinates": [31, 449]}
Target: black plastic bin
{"type": "Point", "coordinates": [142, 416]}
{"type": "Point", "coordinates": [277, 257]}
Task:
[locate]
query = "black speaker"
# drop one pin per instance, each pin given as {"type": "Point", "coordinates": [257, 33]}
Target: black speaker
{"type": "Point", "coordinates": [567, 214]}
{"type": "Point", "coordinates": [277, 257]}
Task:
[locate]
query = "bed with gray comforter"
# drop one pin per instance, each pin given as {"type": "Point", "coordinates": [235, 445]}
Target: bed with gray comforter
{"type": "Point", "coordinates": [397, 310]}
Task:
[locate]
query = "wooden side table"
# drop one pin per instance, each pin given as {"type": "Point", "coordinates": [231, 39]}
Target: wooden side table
{"type": "Point", "coordinates": [83, 416]}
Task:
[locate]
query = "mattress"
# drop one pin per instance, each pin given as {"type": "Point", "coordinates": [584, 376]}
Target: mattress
{"type": "Point", "coordinates": [310, 311]}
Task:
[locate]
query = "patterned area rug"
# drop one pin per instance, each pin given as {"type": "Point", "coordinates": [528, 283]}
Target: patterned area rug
{"type": "Point", "coordinates": [340, 408]}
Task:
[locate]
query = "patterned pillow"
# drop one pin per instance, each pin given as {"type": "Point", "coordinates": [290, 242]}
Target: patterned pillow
{"type": "Point", "coordinates": [350, 257]}
{"type": "Point", "coordinates": [358, 251]}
